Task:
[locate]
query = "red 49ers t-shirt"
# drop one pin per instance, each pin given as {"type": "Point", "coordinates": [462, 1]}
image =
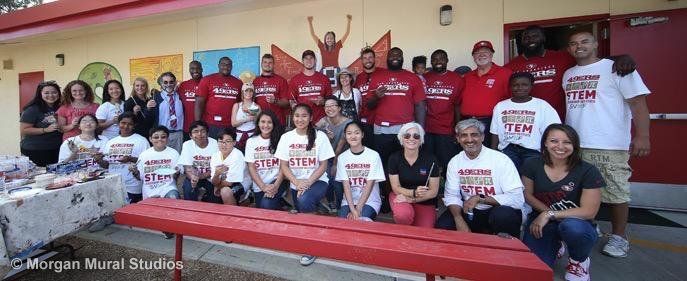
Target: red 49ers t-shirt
{"type": "Point", "coordinates": [548, 74]}
{"type": "Point", "coordinates": [482, 93]}
{"type": "Point", "coordinates": [220, 94]}
{"type": "Point", "coordinates": [187, 92]}
{"type": "Point", "coordinates": [362, 83]}
{"type": "Point", "coordinates": [404, 90]}
{"type": "Point", "coordinates": [307, 88]}
{"type": "Point", "coordinates": [443, 95]}
{"type": "Point", "coordinates": [275, 86]}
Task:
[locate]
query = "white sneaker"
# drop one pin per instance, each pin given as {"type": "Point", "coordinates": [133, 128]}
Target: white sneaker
{"type": "Point", "coordinates": [307, 260]}
{"type": "Point", "coordinates": [577, 271]}
{"type": "Point", "coordinates": [616, 247]}
{"type": "Point", "coordinates": [561, 251]}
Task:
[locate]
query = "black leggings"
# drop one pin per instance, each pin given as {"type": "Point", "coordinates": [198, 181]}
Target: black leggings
{"type": "Point", "coordinates": [42, 157]}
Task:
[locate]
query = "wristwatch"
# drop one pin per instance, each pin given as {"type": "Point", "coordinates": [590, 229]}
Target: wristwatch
{"type": "Point", "coordinates": [551, 215]}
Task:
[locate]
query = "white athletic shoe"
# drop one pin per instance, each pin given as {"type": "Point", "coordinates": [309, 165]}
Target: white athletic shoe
{"type": "Point", "coordinates": [616, 247]}
{"type": "Point", "coordinates": [577, 271]}
{"type": "Point", "coordinates": [307, 260]}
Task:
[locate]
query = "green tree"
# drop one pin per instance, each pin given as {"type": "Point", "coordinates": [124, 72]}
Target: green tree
{"type": "Point", "coordinates": [7, 6]}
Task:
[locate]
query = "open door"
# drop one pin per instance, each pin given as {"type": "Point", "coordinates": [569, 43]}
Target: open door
{"type": "Point", "coordinates": [657, 41]}
{"type": "Point", "coordinates": [28, 82]}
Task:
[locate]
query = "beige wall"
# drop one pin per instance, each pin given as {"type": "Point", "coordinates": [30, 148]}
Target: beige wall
{"type": "Point", "coordinates": [414, 27]}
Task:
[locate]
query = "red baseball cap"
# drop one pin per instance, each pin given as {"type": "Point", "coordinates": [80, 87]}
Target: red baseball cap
{"type": "Point", "coordinates": [482, 44]}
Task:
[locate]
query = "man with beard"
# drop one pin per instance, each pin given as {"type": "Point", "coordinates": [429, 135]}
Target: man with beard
{"type": "Point", "coordinates": [362, 82]}
{"type": "Point", "coordinates": [398, 96]}
{"type": "Point", "coordinates": [271, 90]}
{"type": "Point", "coordinates": [170, 110]}
{"type": "Point", "coordinates": [443, 96]}
{"type": "Point", "coordinates": [485, 86]}
{"type": "Point", "coordinates": [601, 106]}
{"type": "Point", "coordinates": [187, 92]}
{"type": "Point", "coordinates": [219, 91]}
{"type": "Point", "coordinates": [310, 87]}
{"type": "Point", "coordinates": [548, 66]}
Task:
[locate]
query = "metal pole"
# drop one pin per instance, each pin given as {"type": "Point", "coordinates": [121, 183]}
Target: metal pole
{"type": "Point", "coordinates": [177, 256]}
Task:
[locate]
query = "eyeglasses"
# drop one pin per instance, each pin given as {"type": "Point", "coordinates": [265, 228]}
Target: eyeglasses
{"type": "Point", "coordinates": [169, 82]}
{"type": "Point", "coordinates": [415, 136]}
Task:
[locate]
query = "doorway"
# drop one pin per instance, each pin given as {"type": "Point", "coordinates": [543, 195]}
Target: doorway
{"type": "Point", "coordinates": [28, 82]}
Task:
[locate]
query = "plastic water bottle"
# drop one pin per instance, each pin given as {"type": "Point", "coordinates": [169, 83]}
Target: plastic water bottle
{"type": "Point", "coordinates": [470, 215]}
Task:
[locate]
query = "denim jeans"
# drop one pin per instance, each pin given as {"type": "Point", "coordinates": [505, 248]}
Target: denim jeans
{"type": "Point", "coordinates": [274, 203]}
{"type": "Point", "coordinates": [519, 154]}
{"type": "Point", "coordinates": [191, 193]}
{"type": "Point", "coordinates": [308, 201]}
{"type": "Point", "coordinates": [579, 237]}
{"type": "Point", "coordinates": [368, 212]}
{"type": "Point", "coordinates": [493, 220]}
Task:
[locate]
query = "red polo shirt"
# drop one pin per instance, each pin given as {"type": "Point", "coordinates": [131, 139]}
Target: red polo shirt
{"type": "Point", "coordinates": [482, 93]}
{"type": "Point", "coordinates": [443, 95]}
{"type": "Point", "coordinates": [187, 92]}
{"type": "Point", "coordinates": [275, 86]}
{"type": "Point", "coordinates": [404, 90]}
{"type": "Point", "coordinates": [548, 74]}
{"type": "Point", "coordinates": [307, 88]}
{"type": "Point", "coordinates": [220, 94]}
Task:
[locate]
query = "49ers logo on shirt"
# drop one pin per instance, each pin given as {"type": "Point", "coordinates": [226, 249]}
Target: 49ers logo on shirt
{"type": "Point", "coordinates": [300, 158]}
{"type": "Point", "coordinates": [357, 175]}
{"type": "Point", "coordinates": [225, 92]}
{"type": "Point", "coordinates": [264, 160]}
{"type": "Point", "coordinates": [581, 90]}
{"type": "Point", "coordinates": [476, 181]}
{"type": "Point", "coordinates": [517, 123]}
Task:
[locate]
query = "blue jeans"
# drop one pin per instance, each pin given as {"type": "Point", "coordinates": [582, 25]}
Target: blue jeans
{"type": "Point", "coordinates": [191, 193]}
{"type": "Point", "coordinates": [274, 203]}
{"type": "Point", "coordinates": [519, 154]}
{"type": "Point", "coordinates": [368, 212]}
{"type": "Point", "coordinates": [308, 201]}
{"type": "Point", "coordinates": [491, 221]}
{"type": "Point", "coordinates": [579, 237]}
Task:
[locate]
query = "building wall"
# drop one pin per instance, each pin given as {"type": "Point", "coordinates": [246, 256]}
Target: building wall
{"type": "Point", "coordinates": [414, 27]}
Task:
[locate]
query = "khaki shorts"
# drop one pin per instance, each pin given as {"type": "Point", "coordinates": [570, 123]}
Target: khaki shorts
{"type": "Point", "coordinates": [616, 171]}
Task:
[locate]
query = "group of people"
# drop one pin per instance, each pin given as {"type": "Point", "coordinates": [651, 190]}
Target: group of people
{"type": "Point", "coordinates": [382, 141]}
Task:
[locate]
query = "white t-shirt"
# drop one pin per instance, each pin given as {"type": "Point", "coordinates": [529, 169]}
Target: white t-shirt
{"type": "Point", "coordinates": [303, 162]}
{"type": "Point", "coordinates": [522, 123]}
{"type": "Point", "coordinates": [596, 104]}
{"type": "Point", "coordinates": [258, 154]}
{"type": "Point", "coordinates": [199, 158]}
{"type": "Point", "coordinates": [107, 111]}
{"type": "Point", "coordinates": [491, 174]}
{"type": "Point", "coordinates": [149, 162]}
{"type": "Point", "coordinates": [357, 170]}
{"type": "Point", "coordinates": [117, 148]}
{"type": "Point", "coordinates": [85, 149]}
{"type": "Point", "coordinates": [237, 167]}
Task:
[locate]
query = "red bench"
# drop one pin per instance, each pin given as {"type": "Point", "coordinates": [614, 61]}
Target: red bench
{"type": "Point", "coordinates": [430, 251]}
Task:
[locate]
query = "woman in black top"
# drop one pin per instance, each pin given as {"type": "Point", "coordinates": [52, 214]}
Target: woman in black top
{"type": "Point", "coordinates": [414, 179]}
{"type": "Point", "coordinates": [143, 107]}
{"type": "Point", "coordinates": [41, 136]}
{"type": "Point", "coordinates": [565, 194]}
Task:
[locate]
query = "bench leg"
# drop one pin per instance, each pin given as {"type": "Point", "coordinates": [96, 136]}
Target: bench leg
{"type": "Point", "coordinates": [177, 256]}
{"type": "Point", "coordinates": [429, 277]}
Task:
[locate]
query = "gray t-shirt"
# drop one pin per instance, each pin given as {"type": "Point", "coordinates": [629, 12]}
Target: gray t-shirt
{"type": "Point", "coordinates": [39, 119]}
{"type": "Point", "coordinates": [336, 129]}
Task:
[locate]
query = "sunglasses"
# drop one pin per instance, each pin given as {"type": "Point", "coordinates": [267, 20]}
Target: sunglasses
{"type": "Point", "coordinates": [415, 136]}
